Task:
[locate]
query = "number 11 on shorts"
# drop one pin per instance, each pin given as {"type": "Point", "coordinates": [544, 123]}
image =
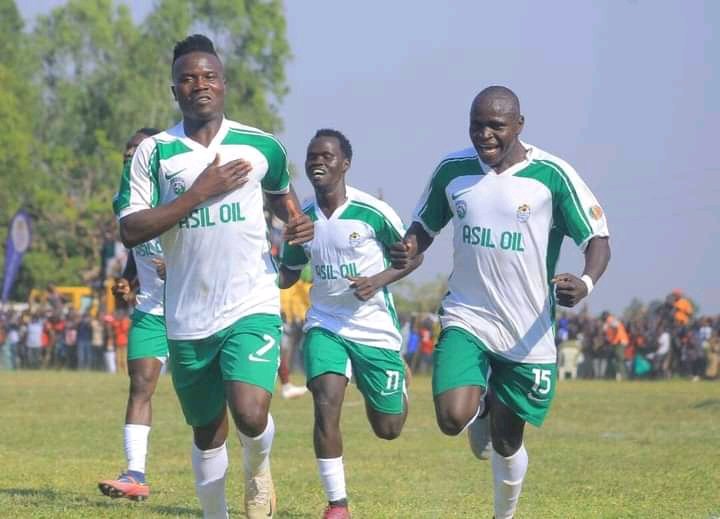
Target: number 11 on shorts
{"type": "Point", "coordinates": [393, 380]}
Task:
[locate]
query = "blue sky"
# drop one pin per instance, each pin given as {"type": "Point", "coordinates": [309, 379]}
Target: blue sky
{"type": "Point", "coordinates": [626, 91]}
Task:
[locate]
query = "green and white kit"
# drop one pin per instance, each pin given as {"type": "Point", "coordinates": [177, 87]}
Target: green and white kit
{"type": "Point", "coordinates": [219, 267]}
{"type": "Point", "coordinates": [345, 335]}
{"type": "Point", "coordinates": [148, 335]}
{"type": "Point", "coordinates": [354, 241]}
{"type": "Point", "coordinates": [508, 229]}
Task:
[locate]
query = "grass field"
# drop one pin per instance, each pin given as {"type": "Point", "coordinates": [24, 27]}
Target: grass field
{"type": "Point", "coordinates": [608, 450]}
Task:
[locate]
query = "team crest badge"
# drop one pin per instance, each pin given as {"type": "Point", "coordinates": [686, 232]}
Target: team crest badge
{"type": "Point", "coordinates": [178, 185]}
{"type": "Point", "coordinates": [523, 213]}
{"type": "Point", "coordinates": [461, 208]}
{"type": "Point", "coordinates": [596, 212]}
{"type": "Point", "coordinates": [354, 238]}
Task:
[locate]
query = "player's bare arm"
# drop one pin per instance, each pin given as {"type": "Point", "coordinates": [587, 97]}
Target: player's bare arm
{"type": "Point", "coordinates": [299, 228]}
{"type": "Point", "coordinates": [570, 289]}
{"type": "Point", "coordinates": [215, 180]}
{"type": "Point", "coordinates": [366, 287]}
{"type": "Point", "coordinates": [415, 243]}
{"type": "Point", "coordinates": [123, 286]}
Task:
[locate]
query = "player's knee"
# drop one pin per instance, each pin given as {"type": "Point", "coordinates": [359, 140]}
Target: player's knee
{"type": "Point", "coordinates": [251, 422]}
{"type": "Point", "coordinates": [327, 408]}
{"type": "Point", "coordinates": [387, 430]}
{"type": "Point", "coordinates": [451, 426]}
{"type": "Point", "coordinates": [451, 423]}
{"type": "Point", "coordinates": [141, 387]}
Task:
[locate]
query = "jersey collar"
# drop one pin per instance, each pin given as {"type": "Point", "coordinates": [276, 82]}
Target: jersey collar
{"type": "Point", "coordinates": [214, 144]}
{"type": "Point", "coordinates": [515, 168]}
{"type": "Point", "coordinates": [339, 210]}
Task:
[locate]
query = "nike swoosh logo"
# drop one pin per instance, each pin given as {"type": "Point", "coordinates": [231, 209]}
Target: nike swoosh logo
{"type": "Point", "coordinates": [457, 195]}
{"type": "Point", "coordinates": [385, 393]}
{"type": "Point", "coordinates": [254, 358]}
{"type": "Point", "coordinates": [170, 177]}
{"type": "Point", "coordinates": [533, 397]}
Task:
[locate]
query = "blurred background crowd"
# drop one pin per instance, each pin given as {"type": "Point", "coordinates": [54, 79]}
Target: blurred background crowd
{"type": "Point", "coordinates": [659, 340]}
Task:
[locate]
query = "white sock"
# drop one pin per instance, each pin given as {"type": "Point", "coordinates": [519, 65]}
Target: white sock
{"type": "Point", "coordinates": [136, 443]}
{"type": "Point", "coordinates": [210, 467]}
{"type": "Point", "coordinates": [332, 475]}
{"type": "Point", "coordinates": [508, 474]}
{"type": "Point", "coordinates": [256, 451]}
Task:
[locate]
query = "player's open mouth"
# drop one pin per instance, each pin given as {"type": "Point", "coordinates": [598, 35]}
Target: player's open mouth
{"type": "Point", "coordinates": [317, 172]}
{"type": "Point", "coordinates": [202, 100]}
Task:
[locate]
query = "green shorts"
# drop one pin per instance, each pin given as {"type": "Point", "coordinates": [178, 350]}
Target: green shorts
{"type": "Point", "coordinates": [461, 359]}
{"type": "Point", "coordinates": [246, 351]}
{"type": "Point", "coordinates": [380, 373]}
{"type": "Point", "coordinates": [148, 337]}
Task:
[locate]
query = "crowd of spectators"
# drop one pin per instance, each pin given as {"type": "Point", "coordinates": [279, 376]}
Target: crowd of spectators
{"type": "Point", "coordinates": [656, 341]}
{"type": "Point", "coordinates": [52, 335]}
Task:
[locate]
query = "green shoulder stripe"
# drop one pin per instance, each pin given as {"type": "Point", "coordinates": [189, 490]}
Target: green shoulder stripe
{"type": "Point", "coordinates": [567, 209]}
{"type": "Point", "coordinates": [168, 149]}
{"type": "Point", "coordinates": [277, 178]}
{"type": "Point", "coordinates": [122, 198]}
{"type": "Point", "coordinates": [435, 211]}
{"type": "Point", "coordinates": [572, 194]}
{"type": "Point", "coordinates": [385, 231]}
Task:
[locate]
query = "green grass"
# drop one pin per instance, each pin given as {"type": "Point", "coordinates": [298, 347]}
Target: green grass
{"type": "Point", "coordinates": [608, 450]}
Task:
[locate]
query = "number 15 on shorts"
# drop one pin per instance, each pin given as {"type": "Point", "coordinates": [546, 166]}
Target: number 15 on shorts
{"type": "Point", "coordinates": [542, 381]}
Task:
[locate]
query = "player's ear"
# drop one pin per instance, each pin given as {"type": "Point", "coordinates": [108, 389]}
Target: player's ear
{"type": "Point", "coordinates": [346, 165]}
{"type": "Point", "coordinates": [521, 123]}
{"type": "Point", "coordinates": [172, 89]}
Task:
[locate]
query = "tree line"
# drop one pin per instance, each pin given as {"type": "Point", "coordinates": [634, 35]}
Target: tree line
{"type": "Point", "coordinates": [81, 80]}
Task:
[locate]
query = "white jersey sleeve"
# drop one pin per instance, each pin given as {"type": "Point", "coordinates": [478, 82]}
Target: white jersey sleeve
{"type": "Point", "coordinates": [577, 212]}
{"type": "Point", "coordinates": [139, 185]}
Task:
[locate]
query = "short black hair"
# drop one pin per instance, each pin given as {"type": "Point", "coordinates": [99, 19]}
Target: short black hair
{"type": "Point", "coordinates": [193, 43]}
{"type": "Point", "coordinates": [344, 142]}
{"type": "Point", "coordinates": [148, 131]}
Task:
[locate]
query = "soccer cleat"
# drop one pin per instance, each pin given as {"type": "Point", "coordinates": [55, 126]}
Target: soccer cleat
{"type": "Point", "coordinates": [125, 486]}
{"type": "Point", "coordinates": [289, 391]}
{"type": "Point", "coordinates": [260, 500]}
{"type": "Point", "coordinates": [336, 512]}
{"type": "Point", "coordinates": [479, 437]}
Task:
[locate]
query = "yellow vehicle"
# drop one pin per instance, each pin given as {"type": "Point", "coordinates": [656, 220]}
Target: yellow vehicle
{"type": "Point", "coordinates": [81, 298]}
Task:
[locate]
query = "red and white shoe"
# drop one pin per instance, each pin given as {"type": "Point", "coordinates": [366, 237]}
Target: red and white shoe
{"type": "Point", "coordinates": [125, 486]}
{"type": "Point", "coordinates": [336, 512]}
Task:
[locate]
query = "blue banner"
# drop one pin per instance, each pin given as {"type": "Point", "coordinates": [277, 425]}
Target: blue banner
{"type": "Point", "coordinates": [18, 242]}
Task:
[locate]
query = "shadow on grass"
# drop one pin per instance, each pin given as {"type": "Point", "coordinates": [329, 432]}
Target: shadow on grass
{"type": "Point", "coordinates": [49, 497]}
{"type": "Point", "coordinates": [709, 402]}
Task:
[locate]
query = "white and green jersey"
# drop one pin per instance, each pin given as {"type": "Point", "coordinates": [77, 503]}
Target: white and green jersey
{"type": "Point", "coordinates": [218, 266]}
{"type": "Point", "coordinates": [353, 242]}
{"type": "Point", "coordinates": [508, 229]}
{"type": "Point", "coordinates": [152, 289]}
